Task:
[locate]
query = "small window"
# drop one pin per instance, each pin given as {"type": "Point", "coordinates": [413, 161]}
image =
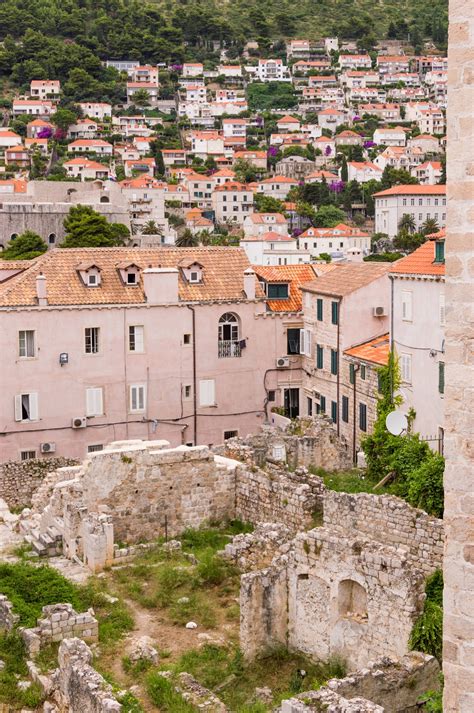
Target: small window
{"type": "Point", "coordinates": [92, 340]}
{"type": "Point", "coordinates": [93, 279]}
{"type": "Point", "coordinates": [95, 448]}
{"type": "Point", "coordinates": [207, 392]}
{"type": "Point", "coordinates": [136, 339]}
{"type": "Point", "coordinates": [194, 277]}
{"type": "Point", "coordinates": [334, 411]}
{"type": "Point", "coordinates": [26, 343]}
{"type": "Point", "coordinates": [439, 251]}
{"type": "Point", "coordinates": [27, 455]}
{"type": "Point", "coordinates": [230, 434]}
{"type": "Point", "coordinates": [293, 341]}
{"type": "Point", "coordinates": [322, 402]}
{"type": "Point", "coordinates": [26, 407]}
{"type": "Point", "coordinates": [309, 406]}
{"type": "Point", "coordinates": [271, 395]}
{"type": "Point", "coordinates": [407, 306]}
{"type": "Point", "coordinates": [137, 398]}
{"type": "Point", "coordinates": [276, 291]}
{"type": "Point", "coordinates": [94, 402]}
{"type": "Point", "coordinates": [334, 312]}
{"type": "Point", "coordinates": [362, 372]}
{"type": "Point", "coordinates": [363, 417]}
{"type": "Point", "coordinates": [132, 278]}
{"type": "Point", "coordinates": [187, 391]}
{"type": "Point", "coordinates": [345, 409]}
{"type": "Point", "coordinates": [187, 339]}
{"type": "Point", "coordinates": [319, 356]}
{"type": "Point", "coordinates": [319, 309]}
{"type": "Point", "coordinates": [405, 360]}
{"type": "Point", "coordinates": [352, 373]}
{"type": "Point", "coordinates": [441, 377]}
{"type": "Point", "coordinates": [51, 239]}
{"type": "Point", "coordinates": [334, 360]}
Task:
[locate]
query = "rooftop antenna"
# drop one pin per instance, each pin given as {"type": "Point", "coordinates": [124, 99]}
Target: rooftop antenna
{"type": "Point", "coordinates": [396, 423]}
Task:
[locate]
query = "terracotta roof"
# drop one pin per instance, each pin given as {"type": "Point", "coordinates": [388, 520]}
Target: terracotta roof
{"type": "Point", "coordinates": [345, 279]}
{"type": "Point", "coordinates": [279, 179]}
{"type": "Point", "coordinates": [259, 218]}
{"type": "Point", "coordinates": [413, 190]}
{"type": "Point", "coordinates": [288, 120]}
{"type": "Point", "coordinates": [19, 184]}
{"type": "Point", "coordinates": [232, 186]}
{"type": "Point", "coordinates": [16, 264]}
{"type": "Point", "coordinates": [223, 276]}
{"type": "Point", "coordinates": [295, 276]}
{"type": "Point", "coordinates": [269, 237]}
{"type": "Point", "coordinates": [420, 262]}
{"type": "Point", "coordinates": [89, 142]}
{"type": "Point", "coordinates": [348, 133]}
{"type": "Point", "coordinates": [375, 350]}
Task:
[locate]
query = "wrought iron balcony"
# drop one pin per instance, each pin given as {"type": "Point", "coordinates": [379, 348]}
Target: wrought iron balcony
{"type": "Point", "coordinates": [229, 348]}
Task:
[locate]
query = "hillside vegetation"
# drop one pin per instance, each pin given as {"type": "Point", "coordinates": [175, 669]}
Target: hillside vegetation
{"type": "Point", "coordinates": [71, 37]}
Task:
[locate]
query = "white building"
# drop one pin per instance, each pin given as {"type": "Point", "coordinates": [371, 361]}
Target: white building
{"type": "Point", "coordinates": [232, 202]}
{"type": "Point", "coordinates": [272, 70]}
{"type": "Point", "coordinates": [420, 202]}
{"type": "Point", "coordinates": [96, 110]}
{"type": "Point", "coordinates": [272, 248]}
{"type": "Point", "coordinates": [390, 137]}
{"type": "Point", "coordinates": [192, 69]}
{"type": "Point", "coordinates": [418, 328]}
{"type": "Point", "coordinates": [45, 88]}
{"type": "Point", "coordinates": [259, 223]}
{"type": "Point", "coordinates": [363, 171]}
{"type": "Point", "coordinates": [340, 240]}
{"type": "Point", "coordinates": [276, 186]}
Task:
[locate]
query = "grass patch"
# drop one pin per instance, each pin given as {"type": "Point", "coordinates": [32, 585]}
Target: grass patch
{"type": "Point", "coordinates": [164, 695]}
{"type": "Point", "coordinates": [12, 652]}
{"type": "Point", "coordinates": [47, 659]}
{"type": "Point", "coordinates": [350, 481]}
{"type": "Point", "coordinates": [214, 537]}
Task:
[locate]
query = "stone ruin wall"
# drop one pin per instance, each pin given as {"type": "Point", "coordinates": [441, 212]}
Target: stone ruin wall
{"type": "Point", "coordinates": [58, 622]}
{"type": "Point", "coordinates": [8, 620]}
{"type": "Point", "coordinates": [20, 479]}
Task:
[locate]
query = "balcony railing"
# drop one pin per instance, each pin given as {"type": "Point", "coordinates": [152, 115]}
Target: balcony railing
{"type": "Point", "coordinates": [228, 348]}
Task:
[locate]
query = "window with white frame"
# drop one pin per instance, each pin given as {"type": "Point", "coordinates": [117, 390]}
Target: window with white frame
{"type": "Point", "coordinates": [94, 448]}
{"type": "Point", "coordinates": [305, 341]}
{"type": "Point", "coordinates": [94, 401]}
{"type": "Point", "coordinates": [27, 455]}
{"type": "Point", "coordinates": [26, 407]}
{"type": "Point", "coordinates": [442, 310]}
{"type": "Point", "coordinates": [405, 363]}
{"type": "Point", "coordinates": [136, 342]}
{"type": "Point", "coordinates": [137, 398]}
{"type": "Point", "coordinates": [26, 343]}
{"type": "Point", "coordinates": [207, 392]}
{"type": "Point", "coordinates": [407, 306]}
{"type": "Point", "coordinates": [91, 336]}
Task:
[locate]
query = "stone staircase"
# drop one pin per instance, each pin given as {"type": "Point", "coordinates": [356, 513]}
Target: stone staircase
{"type": "Point", "coordinates": [46, 544]}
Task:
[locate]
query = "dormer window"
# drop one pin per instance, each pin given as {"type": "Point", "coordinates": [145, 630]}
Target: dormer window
{"type": "Point", "coordinates": [192, 270]}
{"type": "Point", "coordinates": [129, 273]}
{"type": "Point", "coordinates": [93, 279]}
{"type": "Point", "coordinates": [194, 277]}
{"type": "Point", "coordinates": [277, 291]}
{"type": "Point", "coordinates": [89, 274]}
{"type": "Point", "coordinates": [132, 278]}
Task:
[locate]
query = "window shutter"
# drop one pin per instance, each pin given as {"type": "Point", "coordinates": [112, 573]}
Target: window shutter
{"type": "Point", "coordinates": [307, 341]}
{"type": "Point", "coordinates": [351, 373]}
{"type": "Point", "coordinates": [33, 407]}
{"type": "Point", "coordinates": [407, 306]}
{"type": "Point", "coordinates": [302, 341]}
{"type": "Point", "coordinates": [441, 377]}
{"type": "Point", "coordinates": [442, 310]}
{"type": "Point", "coordinates": [139, 339]}
{"type": "Point", "coordinates": [207, 396]}
{"type": "Point", "coordinates": [18, 409]}
{"type": "Point", "coordinates": [94, 402]}
{"type": "Point", "coordinates": [406, 367]}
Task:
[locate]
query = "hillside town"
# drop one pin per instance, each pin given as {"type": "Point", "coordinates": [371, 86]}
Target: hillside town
{"type": "Point", "coordinates": [232, 380]}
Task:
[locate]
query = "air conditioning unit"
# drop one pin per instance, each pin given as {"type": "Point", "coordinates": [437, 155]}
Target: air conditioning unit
{"type": "Point", "coordinates": [379, 312]}
{"type": "Point", "coordinates": [283, 362]}
{"type": "Point", "coordinates": [79, 422]}
{"type": "Point", "coordinates": [47, 447]}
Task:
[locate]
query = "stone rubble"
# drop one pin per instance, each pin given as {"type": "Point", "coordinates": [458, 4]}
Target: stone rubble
{"type": "Point", "coordinates": [142, 649]}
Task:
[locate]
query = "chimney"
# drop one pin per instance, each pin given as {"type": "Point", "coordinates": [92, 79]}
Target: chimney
{"type": "Point", "coordinates": [160, 285]}
{"type": "Point", "coordinates": [41, 292]}
{"type": "Point", "coordinates": [249, 283]}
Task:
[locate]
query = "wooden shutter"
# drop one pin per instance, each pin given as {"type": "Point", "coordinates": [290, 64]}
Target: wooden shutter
{"type": "Point", "coordinates": [307, 341]}
{"type": "Point", "coordinates": [18, 409]}
{"type": "Point", "coordinates": [302, 341]}
{"type": "Point", "coordinates": [442, 310]}
{"type": "Point", "coordinates": [94, 402]}
{"type": "Point", "coordinates": [441, 377]}
{"type": "Point", "coordinates": [207, 389]}
{"type": "Point", "coordinates": [33, 407]}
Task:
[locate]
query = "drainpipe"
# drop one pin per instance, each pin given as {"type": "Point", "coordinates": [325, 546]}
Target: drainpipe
{"type": "Point", "coordinates": [194, 375]}
{"type": "Point", "coordinates": [338, 377]}
{"type": "Point", "coordinates": [392, 337]}
{"type": "Point", "coordinates": [354, 410]}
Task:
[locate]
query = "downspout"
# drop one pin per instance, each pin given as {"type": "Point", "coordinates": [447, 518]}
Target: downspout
{"type": "Point", "coordinates": [338, 377]}
{"type": "Point", "coordinates": [354, 415]}
{"type": "Point", "coordinates": [392, 338]}
{"type": "Point", "coordinates": [194, 375]}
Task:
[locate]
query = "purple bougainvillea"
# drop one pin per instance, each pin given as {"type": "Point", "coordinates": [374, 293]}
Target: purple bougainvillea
{"type": "Point", "coordinates": [369, 144]}
{"type": "Point", "coordinates": [272, 151]}
{"type": "Point", "coordinates": [259, 120]}
{"type": "Point", "coordinates": [337, 186]}
{"type": "Point", "coordinates": [297, 232]}
{"type": "Point", "coordinates": [45, 133]}
{"type": "Point", "coordinates": [60, 134]}
{"type": "Point", "coordinates": [176, 67]}
{"type": "Point", "coordinates": [356, 118]}
{"type": "Point", "coordinates": [328, 151]}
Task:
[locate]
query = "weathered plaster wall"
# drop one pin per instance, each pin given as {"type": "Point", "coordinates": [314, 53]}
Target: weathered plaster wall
{"type": "Point", "coordinates": [458, 652]}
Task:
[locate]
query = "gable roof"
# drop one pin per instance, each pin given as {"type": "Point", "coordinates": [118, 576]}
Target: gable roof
{"type": "Point", "coordinates": [295, 276]}
{"type": "Point", "coordinates": [375, 350]}
{"type": "Point", "coordinates": [223, 276]}
{"type": "Point", "coordinates": [345, 279]}
{"type": "Point", "coordinates": [413, 190]}
{"type": "Point", "coordinates": [421, 261]}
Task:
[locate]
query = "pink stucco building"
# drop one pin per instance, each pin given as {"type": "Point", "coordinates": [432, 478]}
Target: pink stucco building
{"type": "Point", "coordinates": [111, 343]}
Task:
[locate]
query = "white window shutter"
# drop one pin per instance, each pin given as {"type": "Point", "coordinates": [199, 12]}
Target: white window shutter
{"type": "Point", "coordinates": [302, 341]}
{"type": "Point", "coordinates": [18, 409]}
{"type": "Point", "coordinates": [442, 310]}
{"type": "Point", "coordinates": [307, 340]}
{"type": "Point", "coordinates": [34, 407]}
{"type": "Point", "coordinates": [99, 402]}
{"type": "Point", "coordinates": [94, 402]}
{"type": "Point", "coordinates": [139, 339]}
{"type": "Point", "coordinates": [407, 308]}
{"type": "Point", "coordinates": [207, 392]}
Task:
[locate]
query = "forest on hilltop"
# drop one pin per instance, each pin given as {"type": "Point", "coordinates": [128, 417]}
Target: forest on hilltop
{"type": "Point", "coordinates": [68, 39]}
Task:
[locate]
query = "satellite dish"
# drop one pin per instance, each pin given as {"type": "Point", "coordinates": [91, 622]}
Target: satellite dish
{"type": "Point", "coordinates": [396, 422]}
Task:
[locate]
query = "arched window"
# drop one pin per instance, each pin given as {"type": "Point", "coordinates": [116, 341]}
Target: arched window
{"type": "Point", "coordinates": [13, 236]}
{"type": "Point", "coordinates": [352, 600]}
{"type": "Point", "coordinates": [51, 238]}
{"type": "Point", "coordinates": [229, 344]}
{"type": "Point", "coordinates": [104, 199]}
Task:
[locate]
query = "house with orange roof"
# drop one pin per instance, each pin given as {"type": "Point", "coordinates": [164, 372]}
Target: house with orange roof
{"type": "Point", "coordinates": [273, 248]}
{"type": "Point", "coordinates": [348, 138]}
{"type": "Point", "coordinates": [96, 110]}
{"type": "Point", "coordinates": [255, 157]}
{"type": "Point", "coordinates": [174, 157]}
{"type": "Point", "coordinates": [206, 143]}
{"type": "Point", "coordinates": [92, 146]}
{"type": "Point", "coordinates": [330, 119]}
{"type": "Point", "coordinates": [363, 171]}
{"type": "Point", "coordinates": [258, 223]}
{"type": "Point", "coordinates": [17, 156]}
{"type": "Point", "coordinates": [200, 189]}
{"type": "Point", "coordinates": [86, 170]}
{"type": "Point", "coordinates": [9, 139]}
{"type": "Point", "coordinates": [320, 176]}
{"type": "Point", "coordinates": [223, 175]}
{"type": "Point", "coordinates": [40, 144]}
{"type": "Point", "coordinates": [385, 111]}
{"type": "Point", "coordinates": [146, 74]}
{"type": "Point", "coordinates": [428, 172]}
{"type": "Point", "coordinates": [420, 202]}
{"type": "Point", "coordinates": [276, 186]}
{"type": "Point", "coordinates": [234, 127]}
{"type": "Point", "coordinates": [33, 128]}
{"type": "Point", "coordinates": [360, 384]}
{"type": "Point", "coordinates": [12, 185]}
{"type": "Point", "coordinates": [192, 69]}
{"type": "Point", "coordinates": [425, 142]}
{"type": "Point", "coordinates": [196, 221]}
{"type": "Point", "coordinates": [83, 129]}
{"type": "Point", "coordinates": [342, 308]}
{"type": "Point", "coordinates": [150, 88]}
{"type": "Point", "coordinates": [45, 88]}
{"type": "Point", "coordinates": [271, 70]}
{"type": "Point", "coordinates": [337, 241]}
{"type": "Point", "coordinates": [33, 107]}
{"type": "Point", "coordinates": [390, 137]}
{"type": "Point", "coordinates": [140, 165]}
{"type": "Point", "coordinates": [355, 61]}
{"type": "Point", "coordinates": [232, 202]}
{"type": "Point", "coordinates": [418, 334]}
{"type": "Point", "coordinates": [288, 124]}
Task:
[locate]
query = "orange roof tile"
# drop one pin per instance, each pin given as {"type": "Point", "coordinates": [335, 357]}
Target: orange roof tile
{"type": "Point", "coordinates": [375, 350]}
{"type": "Point", "coordinates": [295, 276]}
{"type": "Point", "coordinates": [223, 270]}
{"type": "Point", "coordinates": [345, 279]}
{"type": "Point", "coordinates": [413, 189]}
{"type": "Point", "coordinates": [420, 262]}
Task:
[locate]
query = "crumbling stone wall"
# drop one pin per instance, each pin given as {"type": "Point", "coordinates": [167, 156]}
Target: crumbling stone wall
{"type": "Point", "coordinates": [395, 686]}
{"type": "Point", "coordinates": [390, 520]}
{"type": "Point", "coordinates": [334, 593]}
{"type": "Point", "coordinates": [8, 620]}
{"type": "Point", "coordinates": [79, 687]}
{"type": "Point", "coordinates": [58, 622]}
{"type": "Point", "coordinates": [20, 479]}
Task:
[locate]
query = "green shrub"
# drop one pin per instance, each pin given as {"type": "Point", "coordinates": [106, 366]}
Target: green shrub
{"type": "Point", "coordinates": [425, 485]}
{"type": "Point", "coordinates": [164, 695]}
{"type": "Point", "coordinates": [427, 632]}
{"type": "Point", "coordinates": [212, 569]}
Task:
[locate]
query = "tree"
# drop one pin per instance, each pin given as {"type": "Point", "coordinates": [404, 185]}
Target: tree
{"type": "Point", "coordinates": [63, 118]}
{"type": "Point", "coordinates": [245, 172]}
{"type": "Point", "coordinates": [160, 164]}
{"type": "Point", "coordinates": [85, 228]}
{"type": "Point", "coordinates": [141, 97]}
{"type": "Point", "coordinates": [26, 246]}
{"type": "Point", "coordinates": [430, 226]}
{"type": "Point", "coordinates": [328, 216]}
{"type": "Point", "coordinates": [267, 204]}
{"type": "Point", "coordinates": [407, 223]}
{"type": "Point", "coordinates": [151, 228]}
{"type": "Point", "coordinates": [408, 241]}
{"type": "Point", "coordinates": [187, 240]}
